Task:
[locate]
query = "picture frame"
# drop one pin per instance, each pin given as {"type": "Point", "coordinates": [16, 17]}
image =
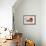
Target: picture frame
{"type": "Point", "coordinates": [29, 19]}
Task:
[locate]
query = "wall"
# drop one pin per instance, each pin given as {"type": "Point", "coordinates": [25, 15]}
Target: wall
{"type": "Point", "coordinates": [6, 16]}
{"type": "Point", "coordinates": [28, 7]}
{"type": "Point", "coordinates": [6, 13]}
{"type": "Point", "coordinates": [43, 22]}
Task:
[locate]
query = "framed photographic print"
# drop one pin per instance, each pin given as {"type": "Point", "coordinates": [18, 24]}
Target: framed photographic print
{"type": "Point", "coordinates": [29, 19]}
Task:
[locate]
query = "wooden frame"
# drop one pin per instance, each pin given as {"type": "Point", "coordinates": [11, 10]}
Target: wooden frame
{"type": "Point", "coordinates": [29, 19]}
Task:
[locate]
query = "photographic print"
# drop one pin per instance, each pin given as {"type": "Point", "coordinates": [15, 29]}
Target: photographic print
{"type": "Point", "coordinates": [29, 19]}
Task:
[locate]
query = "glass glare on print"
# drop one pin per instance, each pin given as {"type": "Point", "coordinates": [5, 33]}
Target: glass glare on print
{"type": "Point", "coordinates": [30, 19]}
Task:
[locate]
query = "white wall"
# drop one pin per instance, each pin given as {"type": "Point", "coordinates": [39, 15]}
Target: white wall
{"type": "Point", "coordinates": [6, 13]}
{"type": "Point", "coordinates": [43, 22]}
{"type": "Point", "coordinates": [29, 7]}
